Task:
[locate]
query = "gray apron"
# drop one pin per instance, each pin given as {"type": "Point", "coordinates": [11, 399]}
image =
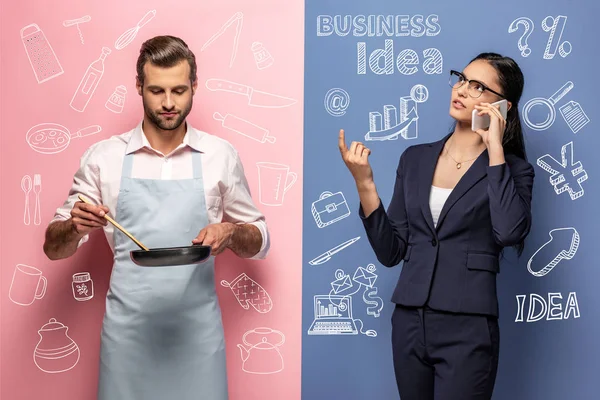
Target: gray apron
{"type": "Point", "coordinates": [162, 334]}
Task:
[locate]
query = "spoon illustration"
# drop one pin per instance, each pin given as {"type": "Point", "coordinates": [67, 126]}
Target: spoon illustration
{"type": "Point", "coordinates": [26, 187]}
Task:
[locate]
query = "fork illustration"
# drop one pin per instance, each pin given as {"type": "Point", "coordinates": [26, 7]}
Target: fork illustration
{"type": "Point", "coordinates": [37, 188]}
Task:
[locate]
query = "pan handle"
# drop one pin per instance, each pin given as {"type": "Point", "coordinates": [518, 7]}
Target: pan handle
{"type": "Point", "coordinates": [89, 130]}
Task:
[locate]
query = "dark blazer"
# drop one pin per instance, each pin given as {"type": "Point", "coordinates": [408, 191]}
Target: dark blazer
{"type": "Point", "coordinates": [453, 266]}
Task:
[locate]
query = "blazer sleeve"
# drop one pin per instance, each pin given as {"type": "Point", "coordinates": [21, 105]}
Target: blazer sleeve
{"type": "Point", "coordinates": [388, 232]}
{"type": "Point", "coordinates": [510, 192]}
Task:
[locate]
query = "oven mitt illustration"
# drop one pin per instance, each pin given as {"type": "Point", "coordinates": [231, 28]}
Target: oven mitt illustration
{"type": "Point", "coordinates": [249, 293]}
{"type": "Point", "coordinates": [562, 245]}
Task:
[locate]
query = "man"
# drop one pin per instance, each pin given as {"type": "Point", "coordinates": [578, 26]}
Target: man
{"type": "Point", "coordinates": [169, 185]}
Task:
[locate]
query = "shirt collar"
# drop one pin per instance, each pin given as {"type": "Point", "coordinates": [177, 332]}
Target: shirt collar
{"type": "Point", "coordinates": [138, 139]}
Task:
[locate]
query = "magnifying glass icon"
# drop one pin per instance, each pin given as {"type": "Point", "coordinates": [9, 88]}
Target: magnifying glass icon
{"type": "Point", "coordinates": [545, 104]}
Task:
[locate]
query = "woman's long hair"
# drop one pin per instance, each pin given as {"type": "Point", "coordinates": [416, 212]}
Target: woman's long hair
{"type": "Point", "coordinates": [511, 81]}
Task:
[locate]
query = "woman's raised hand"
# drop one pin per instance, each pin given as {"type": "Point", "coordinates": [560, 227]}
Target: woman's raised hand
{"type": "Point", "coordinates": [356, 159]}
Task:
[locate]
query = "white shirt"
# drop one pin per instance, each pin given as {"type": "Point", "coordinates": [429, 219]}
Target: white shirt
{"type": "Point", "coordinates": [226, 189]}
{"type": "Point", "coordinates": [437, 198]}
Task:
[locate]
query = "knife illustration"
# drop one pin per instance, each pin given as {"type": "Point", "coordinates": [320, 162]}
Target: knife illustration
{"type": "Point", "coordinates": [256, 98]}
{"type": "Point", "coordinates": [323, 258]}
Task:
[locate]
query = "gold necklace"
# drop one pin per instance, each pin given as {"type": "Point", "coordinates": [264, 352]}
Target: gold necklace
{"type": "Point", "coordinates": [459, 164]}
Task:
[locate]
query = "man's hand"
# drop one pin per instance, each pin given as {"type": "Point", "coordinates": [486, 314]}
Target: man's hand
{"type": "Point", "coordinates": [218, 236]}
{"type": "Point", "coordinates": [62, 237]}
{"type": "Point", "coordinates": [87, 217]}
{"type": "Point", "coordinates": [244, 240]}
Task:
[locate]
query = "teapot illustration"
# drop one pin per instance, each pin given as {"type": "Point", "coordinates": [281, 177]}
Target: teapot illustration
{"type": "Point", "coordinates": [56, 351]}
{"type": "Point", "coordinates": [262, 356]}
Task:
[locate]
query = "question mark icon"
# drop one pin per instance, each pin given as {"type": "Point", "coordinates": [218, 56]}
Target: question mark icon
{"type": "Point", "coordinates": [522, 43]}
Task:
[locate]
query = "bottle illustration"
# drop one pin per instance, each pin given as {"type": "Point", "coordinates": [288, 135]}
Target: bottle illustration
{"type": "Point", "coordinates": [89, 82]}
{"type": "Point", "coordinates": [262, 57]}
{"type": "Point", "coordinates": [116, 101]}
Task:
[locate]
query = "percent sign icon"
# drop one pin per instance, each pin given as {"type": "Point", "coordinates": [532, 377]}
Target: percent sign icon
{"type": "Point", "coordinates": [555, 26]}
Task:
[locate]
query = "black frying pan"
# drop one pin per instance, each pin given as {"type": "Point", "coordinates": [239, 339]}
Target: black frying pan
{"type": "Point", "coordinates": [161, 257]}
{"type": "Point", "coordinates": [169, 256]}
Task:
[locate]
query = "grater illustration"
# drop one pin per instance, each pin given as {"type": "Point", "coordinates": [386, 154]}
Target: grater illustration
{"type": "Point", "coordinates": [41, 56]}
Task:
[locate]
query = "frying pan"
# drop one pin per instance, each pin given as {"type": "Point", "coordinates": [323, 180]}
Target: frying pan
{"type": "Point", "coordinates": [48, 138]}
{"type": "Point", "coordinates": [161, 257]}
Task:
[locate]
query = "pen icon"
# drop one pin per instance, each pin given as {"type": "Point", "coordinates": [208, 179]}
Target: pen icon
{"type": "Point", "coordinates": [323, 258]}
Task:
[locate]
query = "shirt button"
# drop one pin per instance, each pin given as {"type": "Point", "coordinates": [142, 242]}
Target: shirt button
{"type": "Point", "coordinates": [433, 242]}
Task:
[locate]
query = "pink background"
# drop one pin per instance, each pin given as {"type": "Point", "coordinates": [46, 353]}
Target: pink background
{"type": "Point", "coordinates": [25, 103]}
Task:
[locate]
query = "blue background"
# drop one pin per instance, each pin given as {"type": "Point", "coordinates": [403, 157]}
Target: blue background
{"type": "Point", "coordinates": [547, 359]}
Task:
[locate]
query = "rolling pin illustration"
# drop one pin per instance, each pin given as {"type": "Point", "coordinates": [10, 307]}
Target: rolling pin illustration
{"type": "Point", "coordinates": [244, 128]}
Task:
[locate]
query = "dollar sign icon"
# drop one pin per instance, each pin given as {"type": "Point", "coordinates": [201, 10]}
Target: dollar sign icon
{"type": "Point", "coordinates": [374, 302]}
{"type": "Point", "coordinates": [419, 93]}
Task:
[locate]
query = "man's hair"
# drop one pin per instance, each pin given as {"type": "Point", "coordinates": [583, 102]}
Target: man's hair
{"type": "Point", "coordinates": [165, 51]}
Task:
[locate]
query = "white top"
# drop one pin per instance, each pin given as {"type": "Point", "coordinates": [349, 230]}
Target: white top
{"type": "Point", "coordinates": [437, 198]}
{"type": "Point", "coordinates": [226, 189]}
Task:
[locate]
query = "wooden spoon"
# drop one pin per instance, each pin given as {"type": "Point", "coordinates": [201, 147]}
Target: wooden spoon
{"type": "Point", "coordinates": [116, 224]}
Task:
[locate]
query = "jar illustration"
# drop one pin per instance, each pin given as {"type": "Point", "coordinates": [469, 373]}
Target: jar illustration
{"type": "Point", "coordinates": [83, 287]}
{"type": "Point", "coordinates": [56, 351]}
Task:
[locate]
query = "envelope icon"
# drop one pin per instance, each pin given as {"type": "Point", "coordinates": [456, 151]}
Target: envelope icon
{"type": "Point", "coordinates": [364, 277]}
{"type": "Point", "coordinates": [341, 284]}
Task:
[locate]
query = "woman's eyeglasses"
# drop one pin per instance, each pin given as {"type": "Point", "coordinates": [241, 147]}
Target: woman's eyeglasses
{"type": "Point", "coordinates": [475, 88]}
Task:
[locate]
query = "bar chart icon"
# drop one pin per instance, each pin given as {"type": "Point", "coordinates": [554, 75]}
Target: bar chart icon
{"type": "Point", "coordinates": [391, 122]}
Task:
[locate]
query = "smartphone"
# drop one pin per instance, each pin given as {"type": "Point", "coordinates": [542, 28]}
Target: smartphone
{"type": "Point", "coordinates": [483, 121]}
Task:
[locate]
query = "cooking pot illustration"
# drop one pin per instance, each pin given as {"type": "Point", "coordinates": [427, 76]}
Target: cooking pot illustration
{"type": "Point", "coordinates": [56, 351]}
{"type": "Point", "coordinates": [262, 356]}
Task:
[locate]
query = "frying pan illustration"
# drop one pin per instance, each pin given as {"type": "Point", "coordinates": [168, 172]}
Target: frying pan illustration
{"type": "Point", "coordinates": [547, 104]}
{"type": "Point", "coordinates": [49, 138]}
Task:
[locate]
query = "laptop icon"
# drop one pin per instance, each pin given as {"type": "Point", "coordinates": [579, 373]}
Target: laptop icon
{"type": "Point", "coordinates": [333, 316]}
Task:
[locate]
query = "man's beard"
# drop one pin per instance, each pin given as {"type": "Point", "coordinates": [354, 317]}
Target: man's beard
{"type": "Point", "coordinates": [170, 124]}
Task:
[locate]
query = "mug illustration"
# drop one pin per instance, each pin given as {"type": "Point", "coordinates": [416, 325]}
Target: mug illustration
{"type": "Point", "coordinates": [28, 284]}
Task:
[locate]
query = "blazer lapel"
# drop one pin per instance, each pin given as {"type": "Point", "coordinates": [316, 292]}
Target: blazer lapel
{"type": "Point", "coordinates": [474, 174]}
{"type": "Point", "coordinates": [427, 165]}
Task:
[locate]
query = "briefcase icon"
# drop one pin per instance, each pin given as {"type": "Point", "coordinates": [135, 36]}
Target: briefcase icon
{"type": "Point", "coordinates": [330, 208]}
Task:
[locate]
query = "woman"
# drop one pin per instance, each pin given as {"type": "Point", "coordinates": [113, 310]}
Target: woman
{"type": "Point", "coordinates": [456, 204]}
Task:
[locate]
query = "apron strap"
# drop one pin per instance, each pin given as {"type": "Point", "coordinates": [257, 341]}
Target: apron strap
{"type": "Point", "coordinates": [127, 165]}
{"type": "Point", "coordinates": [197, 164]}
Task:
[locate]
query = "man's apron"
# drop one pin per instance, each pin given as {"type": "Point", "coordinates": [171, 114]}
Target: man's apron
{"type": "Point", "coordinates": [162, 334]}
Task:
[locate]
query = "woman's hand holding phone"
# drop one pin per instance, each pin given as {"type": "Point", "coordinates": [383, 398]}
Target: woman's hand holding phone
{"type": "Point", "coordinates": [497, 123]}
